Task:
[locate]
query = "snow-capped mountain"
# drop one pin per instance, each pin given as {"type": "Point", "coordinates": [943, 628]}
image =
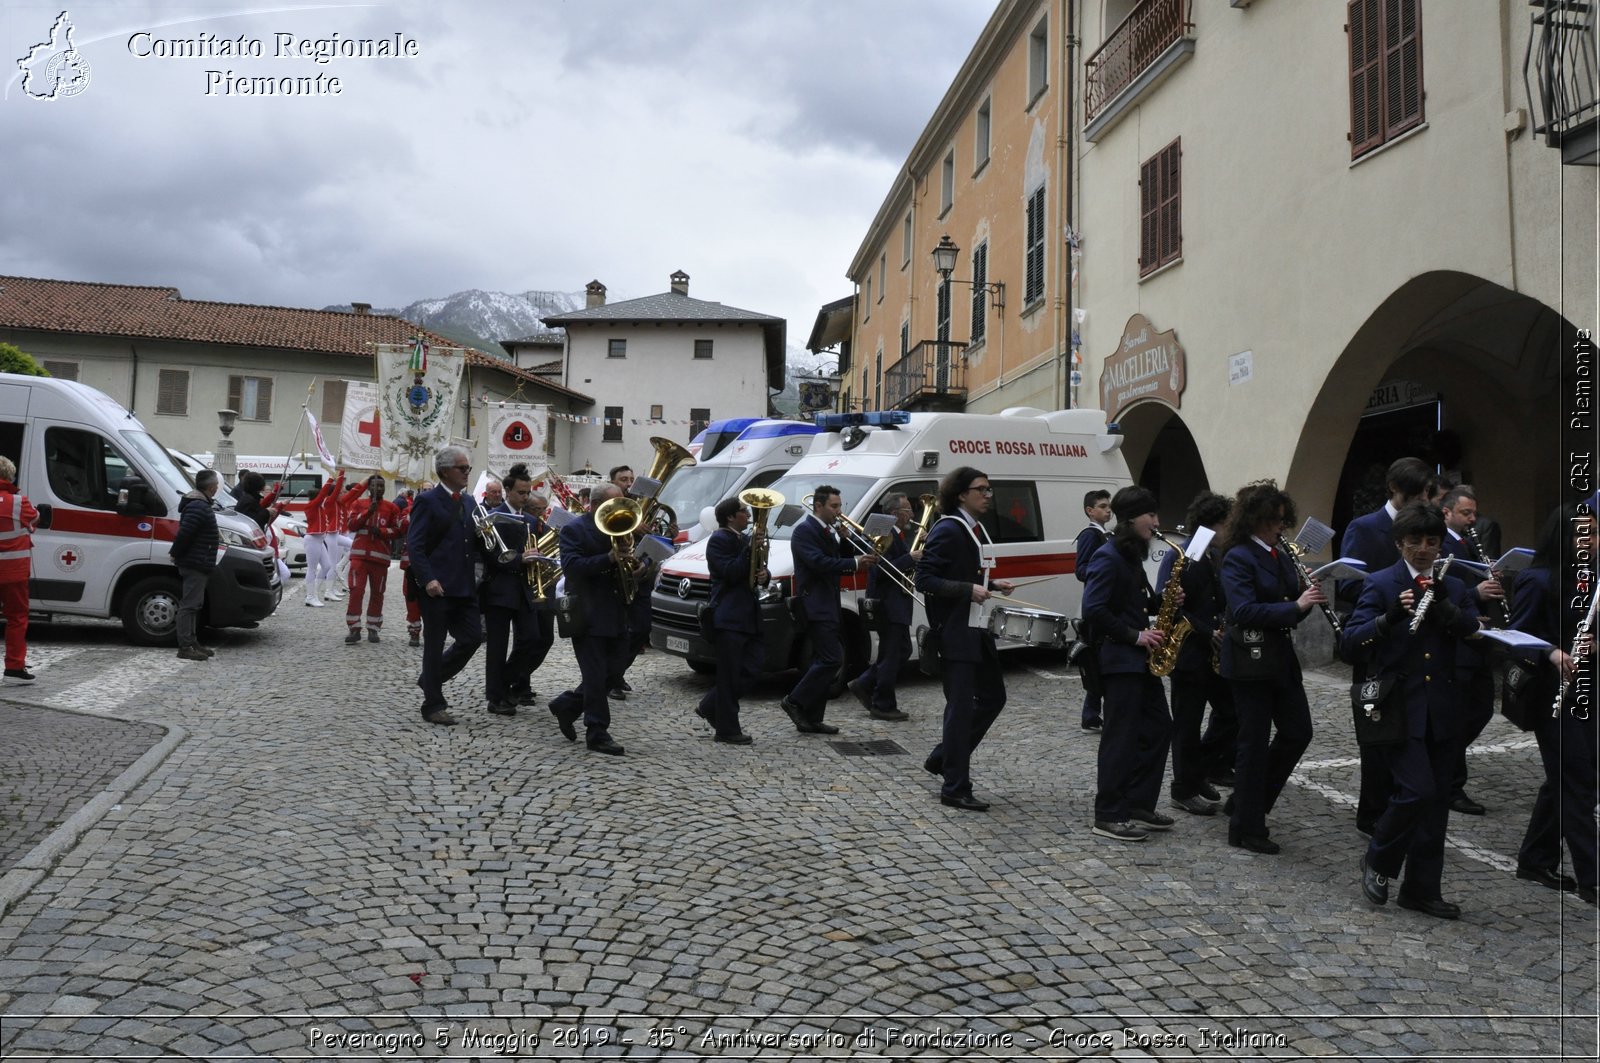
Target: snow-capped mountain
{"type": "Point", "coordinates": [486, 318]}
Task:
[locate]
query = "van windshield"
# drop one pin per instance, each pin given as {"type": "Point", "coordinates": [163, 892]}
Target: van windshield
{"type": "Point", "coordinates": [693, 489]}
{"type": "Point", "coordinates": [794, 490]}
{"type": "Point", "coordinates": [165, 467]}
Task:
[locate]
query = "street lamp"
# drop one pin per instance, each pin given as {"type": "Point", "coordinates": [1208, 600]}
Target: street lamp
{"type": "Point", "coordinates": [226, 461]}
{"type": "Point", "coordinates": [944, 262]}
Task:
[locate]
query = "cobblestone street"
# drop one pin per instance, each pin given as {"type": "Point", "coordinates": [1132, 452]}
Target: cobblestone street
{"type": "Point", "coordinates": [310, 871]}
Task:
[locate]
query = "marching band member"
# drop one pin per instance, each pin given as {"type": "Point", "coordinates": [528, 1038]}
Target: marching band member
{"type": "Point", "coordinates": [519, 684]}
{"type": "Point", "coordinates": [1421, 664]}
{"type": "Point", "coordinates": [589, 566]}
{"type": "Point", "coordinates": [1549, 603]}
{"type": "Point", "coordinates": [1097, 507]}
{"type": "Point", "coordinates": [443, 543]}
{"type": "Point", "coordinates": [1476, 676]}
{"type": "Point", "coordinates": [509, 619]}
{"type": "Point", "coordinates": [952, 576]}
{"type": "Point", "coordinates": [875, 687]}
{"type": "Point", "coordinates": [736, 621]}
{"type": "Point", "coordinates": [617, 685]}
{"type": "Point", "coordinates": [1367, 539]}
{"type": "Point", "coordinates": [820, 559]}
{"type": "Point", "coordinates": [1196, 760]}
{"type": "Point", "coordinates": [319, 556]}
{"type": "Point", "coordinates": [1118, 602]}
{"type": "Point", "coordinates": [1264, 603]}
{"type": "Point", "coordinates": [376, 523]}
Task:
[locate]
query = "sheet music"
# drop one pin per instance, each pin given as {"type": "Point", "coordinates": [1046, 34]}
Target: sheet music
{"type": "Point", "coordinates": [1515, 639]}
{"type": "Point", "coordinates": [1314, 535]}
{"type": "Point", "coordinates": [879, 524]}
{"type": "Point", "coordinates": [1341, 568]}
{"type": "Point", "coordinates": [1198, 543]}
{"type": "Point", "coordinates": [654, 547]}
{"type": "Point", "coordinates": [1514, 560]}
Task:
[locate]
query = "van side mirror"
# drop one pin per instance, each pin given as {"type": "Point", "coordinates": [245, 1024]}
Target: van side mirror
{"type": "Point", "coordinates": [133, 497]}
{"type": "Point", "coordinates": [46, 515]}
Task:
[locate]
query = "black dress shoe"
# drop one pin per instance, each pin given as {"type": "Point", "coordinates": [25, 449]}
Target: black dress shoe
{"type": "Point", "coordinates": [503, 708]}
{"type": "Point", "coordinates": [739, 738]}
{"type": "Point", "coordinates": [1221, 778]}
{"type": "Point", "coordinates": [440, 716]}
{"type": "Point", "coordinates": [565, 720]}
{"type": "Point", "coordinates": [820, 728]}
{"type": "Point", "coordinates": [701, 710]}
{"type": "Point", "coordinates": [861, 693]}
{"type": "Point", "coordinates": [1092, 725]}
{"type": "Point", "coordinates": [966, 802]}
{"type": "Point", "coordinates": [934, 765]}
{"type": "Point", "coordinates": [1435, 907]}
{"type": "Point", "coordinates": [1255, 843]}
{"type": "Point", "coordinates": [1547, 877]}
{"type": "Point", "coordinates": [525, 697]}
{"type": "Point", "coordinates": [605, 744]}
{"type": "Point", "coordinates": [617, 694]}
{"type": "Point", "coordinates": [1466, 806]}
{"type": "Point", "coordinates": [893, 715]}
{"type": "Point", "coordinates": [796, 714]}
{"type": "Point", "coordinates": [1374, 885]}
{"type": "Point", "coordinates": [1208, 792]}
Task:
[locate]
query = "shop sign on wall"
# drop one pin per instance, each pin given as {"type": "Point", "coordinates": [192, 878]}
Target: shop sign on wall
{"type": "Point", "coordinates": [1147, 365]}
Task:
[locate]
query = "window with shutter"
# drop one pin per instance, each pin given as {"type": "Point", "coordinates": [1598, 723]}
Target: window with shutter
{"type": "Point", "coordinates": [172, 392]}
{"type": "Point", "coordinates": [60, 370]}
{"type": "Point", "coordinates": [611, 431]}
{"type": "Point", "coordinates": [980, 294]}
{"type": "Point", "coordinates": [1160, 208]}
{"type": "Point", "coordinates": [702, 348]}
{"type": "Point", "coordinates": [905, 338]}
{"type": "Point", "coordinates": [1386, 90]}
{"type": "Point", "coordinates": [699, 418]}
{"type": "Point", "coordinates": [252, 397]}
{"type": "Point", "coordinates": [877, 384]}
{"type": "Point", "coordinates": [333, 395]}
{"type": "Point", "coordinates": [1033, 256]}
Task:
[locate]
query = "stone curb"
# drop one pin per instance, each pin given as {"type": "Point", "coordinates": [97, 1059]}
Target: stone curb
{"type": "Point", "coordinates": [15, 884]}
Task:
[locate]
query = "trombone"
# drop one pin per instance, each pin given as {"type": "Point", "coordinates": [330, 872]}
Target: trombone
{"type": "Point", "coordinates": [858, 535]}
{"type": "Point", "coordinates": [619, 518]}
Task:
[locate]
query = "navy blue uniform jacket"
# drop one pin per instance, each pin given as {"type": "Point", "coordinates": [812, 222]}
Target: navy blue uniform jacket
{"type": "Point", "coordinates": [1424, 663]}
{"type": "Point", "coordinates": [1089, 540]}
{"type": "Point", "coordinates": [734, 602]}
{"type": "Point", "coordinates": [1202, 605]}
{"type": "Point", "coordinates": [1260, 592]}
{"type": "Point", "coordinates": [1117, 602]}
{"type": "Point", "coordinates": [819, 561]}
{"type": "Point", "coordinates": [1369, 539]}
{"type": "Point", "coordinates": [591, 574]}
{"type": "Point", "coordinates": [951, 563]}
{"type": "Point", "coordinates": [442, 542]}
{"type": "Point", "coordinates": [887, 589]}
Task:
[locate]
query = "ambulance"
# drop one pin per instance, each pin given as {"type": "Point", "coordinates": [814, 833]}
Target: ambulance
{"type": "Point", "coordinates": [1040, 463]}
{"type": "Point", "coordinates": [735, 454]}
{"type": "Point", "coordinates": [107, 494]}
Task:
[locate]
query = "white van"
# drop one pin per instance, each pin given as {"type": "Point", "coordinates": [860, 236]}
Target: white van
{"type": "Point", "coordinates": [735, 455]}
{"type": "Point", "coordinates": [107, 495]}
{"type": "Point", "coordinates": [1041, 465]}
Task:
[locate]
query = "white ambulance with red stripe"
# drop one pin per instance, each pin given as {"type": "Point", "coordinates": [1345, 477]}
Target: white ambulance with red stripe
{"type": "Point", "coordinates": [1040, 463]}
{"type": "Point", "coordinates": [107, 494]}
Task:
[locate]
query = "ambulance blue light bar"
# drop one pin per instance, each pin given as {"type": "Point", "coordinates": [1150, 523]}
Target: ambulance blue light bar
{"type": "Point", "coordinates": [777, 429]}
{"type": "Point", "coordinates": [833, 422]}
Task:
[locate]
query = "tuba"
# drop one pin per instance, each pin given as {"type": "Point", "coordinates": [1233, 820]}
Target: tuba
{"type": "Point", "coordinates": [1164, 658]}
{"type": "Point", "coordinates": [619, 518]}
{"type": "Point", "coordinates": [668, 459]}
{"type": "Point", "coordinates": [762, 502]}
{"type": "Point", "coordinates": [930, 510]}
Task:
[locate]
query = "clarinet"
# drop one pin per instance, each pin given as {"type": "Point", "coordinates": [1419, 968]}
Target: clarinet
{"type": "Point", "coordinates": [1499, 612]}
{"type": "Point", "coordinates": [1306, 577]}
{"type": "Point", "coordinates": [1439, 569]}
{"type": "Point", "coordinates": [1578, 638]}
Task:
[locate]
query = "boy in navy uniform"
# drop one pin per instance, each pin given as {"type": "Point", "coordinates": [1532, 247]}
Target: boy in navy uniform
{"type": "Point", "coordinates": [1097, 507]}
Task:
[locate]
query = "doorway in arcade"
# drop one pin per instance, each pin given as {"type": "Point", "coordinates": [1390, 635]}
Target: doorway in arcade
{"type": "Point", "coordinates": [1163, 457]}
{"type": "Point", "coordinates": [1385, 433]}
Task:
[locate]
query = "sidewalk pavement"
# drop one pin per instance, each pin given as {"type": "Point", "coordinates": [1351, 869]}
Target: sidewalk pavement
{"type": "Point", "coordinates": [309, 871]}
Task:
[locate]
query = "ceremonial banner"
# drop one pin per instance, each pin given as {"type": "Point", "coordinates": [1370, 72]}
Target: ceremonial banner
{"type": "Point", "coordinates": [516, 435]}
{"type": "Point", "coordinates": [322, 445]}
{"type": "Point", "coordinates": [418, 387]}
{"type": "Point", "coordinates": [361, 427]}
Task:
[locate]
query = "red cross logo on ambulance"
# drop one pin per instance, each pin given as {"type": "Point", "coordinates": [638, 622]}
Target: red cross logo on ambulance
{"type": "Point", "coordinates": [69, 558]}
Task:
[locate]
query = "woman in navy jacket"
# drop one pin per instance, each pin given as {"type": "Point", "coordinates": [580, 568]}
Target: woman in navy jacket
{"type": "Point", "coordinates": [1264, 605]}
{"type": "Point", "coordinates": [1118, 603]}
{"type": "Point", "coordinates": [1565, 805]}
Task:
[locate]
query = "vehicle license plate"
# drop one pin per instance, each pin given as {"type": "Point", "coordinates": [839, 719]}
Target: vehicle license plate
{"type": "Point", "coordinates": [677, 645]}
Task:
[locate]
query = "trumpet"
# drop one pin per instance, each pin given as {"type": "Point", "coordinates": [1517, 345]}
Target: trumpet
{"type": "Point", "coordinates": [619, 518]}
{"type": "Point", "coordinates": [876, 546]}
{"type": "Point", "coordinates": [491, 536]}
{"type": "Point", "coordinates": [762, 503]}
{"type": "Point", "coordinates": [1294, 550]}
{"type": "Point", "coordinates": [1439, 569]}
{"type": "Point", "coordinates": [930, 509]}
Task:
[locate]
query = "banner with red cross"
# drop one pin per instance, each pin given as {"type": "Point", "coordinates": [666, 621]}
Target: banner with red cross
{"type": "Point", "coordinates": [361, 427]}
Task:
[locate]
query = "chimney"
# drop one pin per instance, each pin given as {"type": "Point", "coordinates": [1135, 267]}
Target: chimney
{"type": "Point", "coordinates": [361, 308]}
{"type": "Point", "coordinates": [680, 282]}
{"type": "Point", "coordinates": [594, 295]}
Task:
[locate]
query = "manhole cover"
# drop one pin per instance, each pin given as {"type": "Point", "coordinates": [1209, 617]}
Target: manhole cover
{"type": "Point", "coordinates": [883, 748]}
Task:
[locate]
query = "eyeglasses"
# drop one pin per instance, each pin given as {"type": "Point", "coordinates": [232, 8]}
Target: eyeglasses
{"type": "Point", "coordinates": [462, 468]}
{"type": "Point", "coordinates": [986, 489]}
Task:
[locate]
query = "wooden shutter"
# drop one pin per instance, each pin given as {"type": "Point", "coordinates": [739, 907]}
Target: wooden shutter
{"type": "Point", "coordinates": [172, 392]}
{"type": "Point", "coordinates": [236, 395]}
{"type": "Point", "coordinates": [1402, 66]}
{"type": "Point", "coordinates": [1171, 202]}
{"type": "Point", "coordinates": [60, 370]}
{"type": "Point", "coordinates": [264, 399]}
{"type": "Point", "coordinates": [1033, 271]}
{"type": "Point", "coordinates": [1149, 214]}
{"type": "Point", "coordinates": [980, 295]}
{"type": "Point", "coordinates": [1366, 89]}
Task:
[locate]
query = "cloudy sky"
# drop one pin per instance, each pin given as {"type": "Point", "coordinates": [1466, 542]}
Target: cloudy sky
{"type": "Point", "coordinates": [528, 145]}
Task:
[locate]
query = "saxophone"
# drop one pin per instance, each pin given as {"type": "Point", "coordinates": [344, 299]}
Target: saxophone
{"type": "Point", "coordinates": [1164, 658]}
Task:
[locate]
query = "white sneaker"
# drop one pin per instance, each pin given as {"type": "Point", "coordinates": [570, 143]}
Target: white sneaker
{"type": "Point", "coordinates": [314, 601]}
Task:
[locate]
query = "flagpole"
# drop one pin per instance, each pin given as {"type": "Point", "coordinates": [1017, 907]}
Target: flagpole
{"type": "Point", "coordinates": [305, 408]}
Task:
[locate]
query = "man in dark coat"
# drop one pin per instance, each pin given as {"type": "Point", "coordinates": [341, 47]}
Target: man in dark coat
{"type": "Point", "coordinates": [442, 542]}
{"type": "Point", "coordinates": [820, 559]}
{"type": "Point", "coordinates": [590, 562]}
{"type": "Point", "coordinates": [736, 621]}
{"type": "Point", "coordinates": [194, 551]}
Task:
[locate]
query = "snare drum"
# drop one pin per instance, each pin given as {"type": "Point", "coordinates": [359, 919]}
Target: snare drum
{"type": "Point", "coordinates": [1029, 627]}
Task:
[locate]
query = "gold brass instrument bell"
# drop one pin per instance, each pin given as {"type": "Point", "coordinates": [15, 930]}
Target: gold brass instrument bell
{"type": "Point", "coordinates": [619, 518]}
{"type": "Point", "coordinates": [761, 502]}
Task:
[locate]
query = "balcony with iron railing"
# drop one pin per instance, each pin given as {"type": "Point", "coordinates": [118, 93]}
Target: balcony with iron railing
{"type": "Point", "coordinates": [1559, 73]}
{"type": "Point", "coordinates": [1136, 56]}
{"type": "Point", "coordinates": [932, 376]}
